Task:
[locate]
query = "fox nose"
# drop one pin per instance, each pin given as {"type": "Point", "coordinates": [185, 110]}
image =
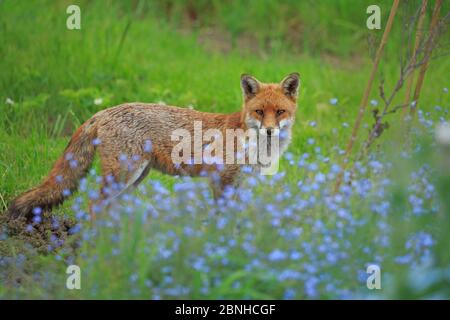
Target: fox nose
{"type": "Point", "coordinates": [269, 131]}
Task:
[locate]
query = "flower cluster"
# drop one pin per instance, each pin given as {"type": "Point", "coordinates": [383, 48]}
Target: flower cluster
{"type": "Point", "coordinates": [291, 235]}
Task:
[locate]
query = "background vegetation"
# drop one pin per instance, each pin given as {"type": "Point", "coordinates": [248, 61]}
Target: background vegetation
{"type": "Point", "coordinates": [191, 53]}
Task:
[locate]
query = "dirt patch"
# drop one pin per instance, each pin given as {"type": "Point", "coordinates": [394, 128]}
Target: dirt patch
{"type": "Point", "coordinates": [47, 235]}
{"type": "Point", "coordinates": [218, 40]}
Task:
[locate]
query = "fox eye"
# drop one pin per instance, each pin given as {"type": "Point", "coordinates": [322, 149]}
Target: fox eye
{"type": "Point", "coordinates": [260, 112]}
{"type": "Point", "coordinates": [280, 112]}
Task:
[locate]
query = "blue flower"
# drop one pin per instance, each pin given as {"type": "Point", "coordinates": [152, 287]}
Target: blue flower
{"type": "Point", "coordinates": [277, 255]}
{"type": "Point", "coordinates": [123, 157]}
{"type": "Point", "coordinates": [415, 202]}
{"type": "Point", "coordinates": [221, 222]}
{"type": "Point", "coordinates": [55, 223]}
{"type": "Point", "coordinates": [406, 259]}
{"type": "Point", "coordinates": [276, 222]}
{"type": "Point", "coordinates": [73, 163]}
{"type": "Point", "coordinates": [134, 277]}
{"type": "Point", "coordinates": [295, 255]}
{"type": "Point", "coordinates": [79, 215]}
{"type": "Point", "coordinates": [331, 257]}
{"type": "Point", "coordinates": [333, 101]}
{"type": "Point", "coordinates": [289, 294]}
{"type": "Point", "coordinates": [94, 194]}
{"type": "Point", "coordinates": [96, 142]}
{"type": "Point", "coordinates": [320, 177]}
{"type": "Point", "coordinates": [199, 264]}
{"type": "Point", "coordinates": [165, 253]}
{"type": "Point", "coordinates": [335, 168]}
{"type": "Point", "coordinates": [75, 229]}
{"type": "Point", "coordinates": [68, 156]}
{"type": "Point", "coordinates": [311, 287]}
{"type": "Point", "coordinates": [289, 274]}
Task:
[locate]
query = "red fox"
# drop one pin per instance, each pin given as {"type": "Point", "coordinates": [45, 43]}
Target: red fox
{"type": "Point", "coordinates": [142, 132]}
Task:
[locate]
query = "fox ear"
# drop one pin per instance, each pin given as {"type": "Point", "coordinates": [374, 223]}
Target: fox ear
{"type": "Point", "coordinates": [250, 86]}
{"type": "Point", "coordinates": [290, 85]}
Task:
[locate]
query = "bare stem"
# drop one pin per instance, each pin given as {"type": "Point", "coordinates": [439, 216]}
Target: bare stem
{"type": "Point", "coordinates": [406, 73]}
{"type": "Point", "coordinates": [365, 98]}
{"type": "Point", "coordinates": [417, 41]}
{"type": "Point", "coordinates": [428, 49]}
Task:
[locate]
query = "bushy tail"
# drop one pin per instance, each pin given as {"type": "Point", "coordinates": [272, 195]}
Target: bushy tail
{"type": "Point", "coordinates": [63, 178]}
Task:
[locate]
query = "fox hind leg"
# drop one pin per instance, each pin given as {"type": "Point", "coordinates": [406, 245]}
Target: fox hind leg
{"type": "Point", "coordinates": [118, 180]}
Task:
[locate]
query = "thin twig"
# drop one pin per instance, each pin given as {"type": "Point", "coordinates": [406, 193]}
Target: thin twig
{"type": "Point", "coordinates": [417, 41]}
{"type": "Point", "coordinates": [396, 108]}
{"type": "Point", "coordinates": [428, 50]}
{"type": "Point", "coordinates": [365, 98]}
{"type": "Point", "coordinates": [405, 72]}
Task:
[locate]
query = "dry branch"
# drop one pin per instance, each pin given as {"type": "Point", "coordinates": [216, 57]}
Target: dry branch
{"type": "Point", "coordinates": [428, 50]}
{"type": "Point", "coordinates": [365, 98]}
{"type": "Point", "coordinates": [417, 41]}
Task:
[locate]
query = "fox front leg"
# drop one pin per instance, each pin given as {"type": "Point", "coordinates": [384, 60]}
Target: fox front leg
{"type": "Point", "coordinates": [117, 181]}
{"type": "Point", "coordinates": [223, 180]}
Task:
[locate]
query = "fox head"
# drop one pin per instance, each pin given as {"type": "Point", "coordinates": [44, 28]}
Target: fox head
{"type": "Point", "coordinates": [268, 107]}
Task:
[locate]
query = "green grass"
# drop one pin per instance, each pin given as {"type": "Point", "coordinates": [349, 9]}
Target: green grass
{"type": "Point", "coordinates": [139, 52]}
{"type": "Point", "coordinates": [54, 75]}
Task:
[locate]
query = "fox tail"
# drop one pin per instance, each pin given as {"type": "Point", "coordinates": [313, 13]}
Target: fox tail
{"type": "Point", "coordinates": [63, 178]}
